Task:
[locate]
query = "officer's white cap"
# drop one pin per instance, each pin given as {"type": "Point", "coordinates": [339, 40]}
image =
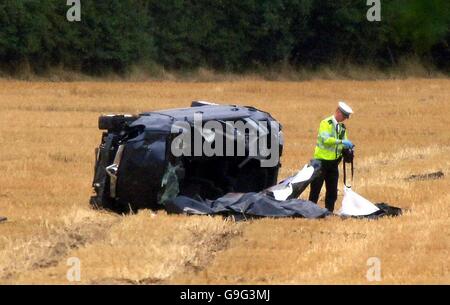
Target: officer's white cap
{"type": "Point", "coordinates": [345, 109]}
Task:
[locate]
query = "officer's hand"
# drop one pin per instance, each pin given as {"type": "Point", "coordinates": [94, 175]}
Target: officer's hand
{"type": "Point", "coordinates": [347, 144]}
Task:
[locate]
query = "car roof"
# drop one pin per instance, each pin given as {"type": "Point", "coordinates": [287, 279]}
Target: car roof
{"type": "Point", "coordinates": [208, 112]}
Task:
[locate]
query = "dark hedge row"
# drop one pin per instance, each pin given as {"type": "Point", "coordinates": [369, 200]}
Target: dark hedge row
{"type": "Point", "coordinates": [228, 35]}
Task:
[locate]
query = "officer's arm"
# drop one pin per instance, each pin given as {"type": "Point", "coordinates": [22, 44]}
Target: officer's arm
{"type": "Point", "coordinates": [325, 134]}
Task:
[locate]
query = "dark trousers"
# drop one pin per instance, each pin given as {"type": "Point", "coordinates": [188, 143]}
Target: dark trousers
{"type": "Point", "coordinates": [329, 173]}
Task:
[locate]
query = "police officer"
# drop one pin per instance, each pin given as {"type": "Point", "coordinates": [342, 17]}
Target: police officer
{"type": "Point", "coordinates": [331, 140]}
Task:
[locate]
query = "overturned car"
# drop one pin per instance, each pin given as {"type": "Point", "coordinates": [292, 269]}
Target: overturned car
{"type": "Point", "coordinates": [204, 152]}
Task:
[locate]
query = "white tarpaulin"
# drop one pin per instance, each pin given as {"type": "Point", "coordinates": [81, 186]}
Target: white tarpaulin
{"type": "Point", "coordinates": [356, 205]}
{"type": "Point", "coordinates": [283, 191]}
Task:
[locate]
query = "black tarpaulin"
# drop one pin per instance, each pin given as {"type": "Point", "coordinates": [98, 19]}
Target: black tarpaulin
{"type": "Point", "coordinates": [276, 201]}
{"type": "Point", "coordinates": [246, 205]}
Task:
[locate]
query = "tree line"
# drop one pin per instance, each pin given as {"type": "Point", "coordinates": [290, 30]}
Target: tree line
{"type": "Point", "coordinates": [225, 35]}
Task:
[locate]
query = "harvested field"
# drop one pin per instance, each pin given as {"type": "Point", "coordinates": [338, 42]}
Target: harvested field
{"type": "Point", "coordinates": [49, 132]}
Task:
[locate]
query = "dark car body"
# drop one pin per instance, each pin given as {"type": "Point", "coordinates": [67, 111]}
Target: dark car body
{"type": "Point", "coordinates": [135, 167]}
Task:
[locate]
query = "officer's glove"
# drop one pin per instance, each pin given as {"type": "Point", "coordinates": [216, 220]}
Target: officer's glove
{"type": "Point", "coordinates": [347, 144]}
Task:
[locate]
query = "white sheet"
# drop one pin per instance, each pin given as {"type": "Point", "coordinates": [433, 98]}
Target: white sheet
{"type": "Point", "coordinates": [304, 174]}
{"type": "Point", "coordinates": [355, 205]}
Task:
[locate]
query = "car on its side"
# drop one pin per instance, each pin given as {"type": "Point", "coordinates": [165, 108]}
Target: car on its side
{"type": "Point", "coordinates": [138, 166]}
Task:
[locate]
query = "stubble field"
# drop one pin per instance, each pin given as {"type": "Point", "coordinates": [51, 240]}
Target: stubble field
{"type": "Point", "coordinates": [47, 140]}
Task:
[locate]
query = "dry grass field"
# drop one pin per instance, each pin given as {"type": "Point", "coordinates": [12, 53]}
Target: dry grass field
{"type": "Point", "coordinates": [47, 140]}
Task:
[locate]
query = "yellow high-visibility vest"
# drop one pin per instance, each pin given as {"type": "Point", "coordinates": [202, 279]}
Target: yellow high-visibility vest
{"type": "Point", "coordinates": [329, 140]}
